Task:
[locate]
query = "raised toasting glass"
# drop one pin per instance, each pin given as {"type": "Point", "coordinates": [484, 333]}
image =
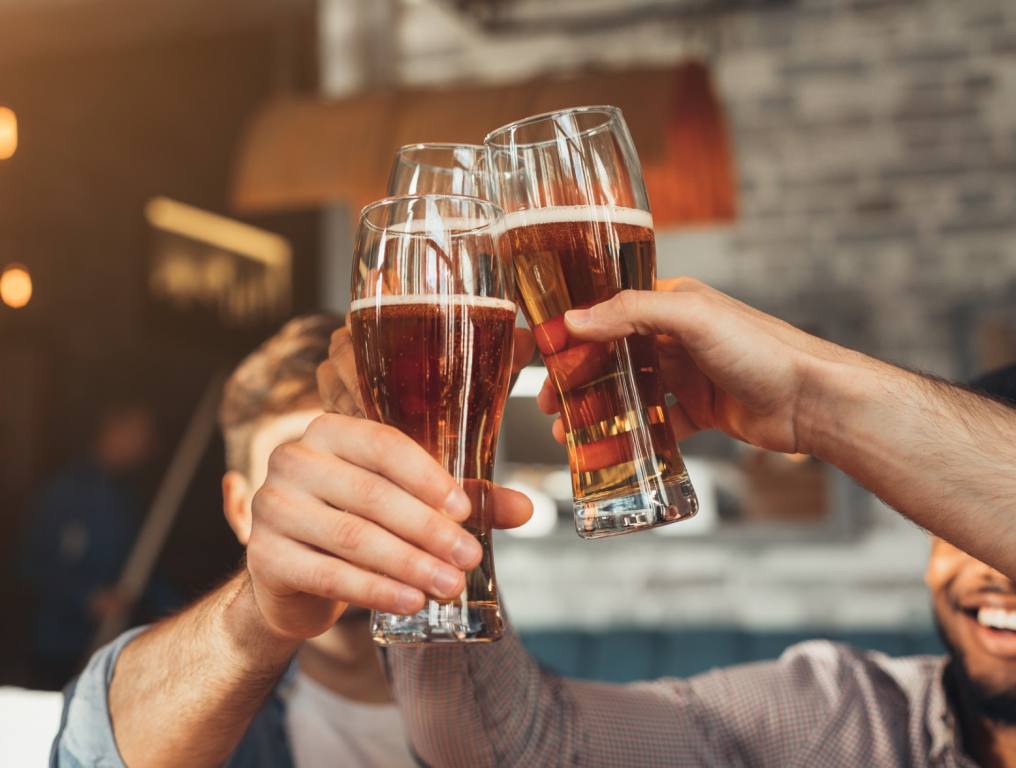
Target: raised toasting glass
{"type": "Point", "coordinates": [440, 169]}
{"type": "Point", "coordinates": [432, 322]}
{"type": "Point", "coordinates": [578, 230]}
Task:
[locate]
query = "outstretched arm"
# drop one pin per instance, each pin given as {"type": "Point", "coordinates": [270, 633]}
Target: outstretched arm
{"type": "Point", "coordinates": [939, 454]}
{"type": "Point", "coordinates": [185, 691]}
{"type": "Point", "coordinates": [491, 705]}
{"type": "Point", "coordinates": [182, 692]}
{"type": "Point", "coordinates": [348, 502]}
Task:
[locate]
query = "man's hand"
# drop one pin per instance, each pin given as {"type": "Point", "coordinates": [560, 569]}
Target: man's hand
{"type": "Point", "coordinates": [940, 455]}
{"type": "Point", "coordinates": [730, 367]}
{"type": "Point", "coordinates": [357, 512]}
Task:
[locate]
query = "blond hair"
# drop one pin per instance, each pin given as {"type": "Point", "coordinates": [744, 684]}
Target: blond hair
{"type": "Point", "coordinates": [273, 380]}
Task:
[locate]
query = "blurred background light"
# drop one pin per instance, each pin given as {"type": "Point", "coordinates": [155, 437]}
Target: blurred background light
{"type": "Point", "coordinates": [8, 133]}
{"type": "Point", "coordinates": [15, 286]}
{"type": "Point", "coordinates": [530, 381]}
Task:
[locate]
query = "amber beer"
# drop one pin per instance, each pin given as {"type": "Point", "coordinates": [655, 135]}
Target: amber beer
{"type": "Point", "coordinates": [437, 368]}
{"type": "Point", "coordinates": [573, 257]}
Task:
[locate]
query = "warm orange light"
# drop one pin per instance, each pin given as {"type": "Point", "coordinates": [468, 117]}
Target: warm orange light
{"type": "Point", "coordinates": [8, 133]}
{"type": "Point", "coordinates": [15, 286]}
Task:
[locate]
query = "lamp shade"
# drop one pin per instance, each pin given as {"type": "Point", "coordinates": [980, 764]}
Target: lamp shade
{"type": "Point", "coordinates": [299, 153]}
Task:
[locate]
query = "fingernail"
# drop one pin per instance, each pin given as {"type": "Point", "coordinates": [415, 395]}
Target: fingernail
{"type": "Point", "coordinates": [446, 581]}
{"type": "Point", "coordinates": [457, 505]}
{"type": "Point", "coordinates": [465, 551]}
{"type": "Point", "coordinates": [408, 601]}
{"type": "Point", "coordinates": [577, 317]}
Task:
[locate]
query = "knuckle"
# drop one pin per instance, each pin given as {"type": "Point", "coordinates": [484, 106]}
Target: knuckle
{"type": "Point", "coordinates": [691, 284]}
{"type": "Point", "coordinates": [385, 441]}
{"type": "Point", "coordinates": [627, 301]}
{"type": "Point", "coordinates": [370, 491]}
{"type": "Point", "coordinates": [441, 536]}
{"type": "Point", "coordinates": [379, 593]}
{"type": "Point", "coordinates": [258, 560]}
{"type": "Point", "coordinates": [348, 532]}
{"type": "Point", "coordinates": [321, 581]}
{"type": "Point", "coordinates": [267, 501]}
{"type": "Point", "coordinates": [284, 461]}
{"type": "Point", "coordinates": [695, 303]}
{"type": "Point", "coordinates": [325, 423]}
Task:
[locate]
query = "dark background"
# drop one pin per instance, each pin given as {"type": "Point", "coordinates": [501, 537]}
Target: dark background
{"type": "Point", "coordinates": [103, 127]}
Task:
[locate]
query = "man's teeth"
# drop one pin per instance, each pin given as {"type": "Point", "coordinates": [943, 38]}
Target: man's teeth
{"type": "Point", "coordinates": [997, 618]}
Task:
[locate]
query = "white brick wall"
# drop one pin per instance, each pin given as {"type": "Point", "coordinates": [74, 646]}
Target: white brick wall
{"type": "Point", "coordinates": [875, 143]}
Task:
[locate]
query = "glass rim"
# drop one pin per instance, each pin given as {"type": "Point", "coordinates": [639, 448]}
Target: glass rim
{"type": "Point", "coordinates": [610, 111]}
{"type": "Point", "coordinates": [480, 150]}
{"type": "Point", "coordinates": [497, 213]}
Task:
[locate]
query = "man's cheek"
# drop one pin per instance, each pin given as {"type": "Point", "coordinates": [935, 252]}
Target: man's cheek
{"type": "Point", "coordinates": [941, 569]}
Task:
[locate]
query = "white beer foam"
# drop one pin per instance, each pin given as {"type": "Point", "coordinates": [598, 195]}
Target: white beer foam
{"type": "Point", "coordinates": [557, 214]}
{"type": "Point", "coordinates": [456, 299]}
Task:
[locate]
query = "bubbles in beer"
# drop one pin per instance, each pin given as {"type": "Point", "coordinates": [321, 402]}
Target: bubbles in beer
{"type": "Point", "coordinates": [613, 403]}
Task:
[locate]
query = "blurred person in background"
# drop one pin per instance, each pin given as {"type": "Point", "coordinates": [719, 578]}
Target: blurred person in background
{"type": "Point", "coordinates": [334, 707]}
{"type": "Point", "coordinates": [77, 537]}
{"type": "Point", "coordinates": [356, 512]}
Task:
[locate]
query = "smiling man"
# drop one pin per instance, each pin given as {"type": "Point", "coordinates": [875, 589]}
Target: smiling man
{"type": "Point", "coordinates": [975, 609]}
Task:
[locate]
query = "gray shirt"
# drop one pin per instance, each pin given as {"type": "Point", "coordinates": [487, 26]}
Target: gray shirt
{"type": "Point", "coordinates": [820, 705]}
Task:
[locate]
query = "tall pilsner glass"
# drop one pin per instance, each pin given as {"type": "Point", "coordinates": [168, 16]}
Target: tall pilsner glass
{"type": "Point", "coordinates": [578, 230]}
{"type": "Point", "coordinates": [440, 169]}
{"type": "Point", "coordinates": [432, 322]}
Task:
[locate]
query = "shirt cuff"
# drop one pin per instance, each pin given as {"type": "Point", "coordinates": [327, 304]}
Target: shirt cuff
{"type": "Point", "coordinates": [86, 736]}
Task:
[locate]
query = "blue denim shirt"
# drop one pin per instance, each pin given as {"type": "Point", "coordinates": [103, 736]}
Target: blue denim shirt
{"type": "Point", "coordinates": [85, 738]}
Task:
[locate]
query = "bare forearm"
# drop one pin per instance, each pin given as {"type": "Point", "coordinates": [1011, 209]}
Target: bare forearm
{"type": "Point", "coordinates": [942, 456]}
{"type": "Point", "coordinates": [184, 692]}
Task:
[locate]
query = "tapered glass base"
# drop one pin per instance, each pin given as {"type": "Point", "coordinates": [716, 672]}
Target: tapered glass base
{"type": "Point", "coordinates": [612, 516]}
{"type": "Point", "coordinates": [441, 622]}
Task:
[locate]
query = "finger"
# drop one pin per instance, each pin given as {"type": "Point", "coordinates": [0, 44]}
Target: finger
{"type": "Point", "coordinates": [337, 379]}
{"type": "Point", "coordinates": [558, 431]}
{"type": "Point", "coordinates": [385, 451]}
{"type": "Point", "coordinates": [335, 397]}
{"type": "Point", "coordinates": [681, 314]}
{"type": "Point", "coordinates": [578, 365]}
{"type": "Point", "coordinates": [366, 545]}
{"type": "Point", "coordinates": [291, 566]}
{"type": "Point", "coordinates": [524, 348]}
{"type": "Point", "coordinates": [682, 424]}
{"type": "Point", "coordinates": [313, 476]}
{"type": "Point", "coordinates": [694, 392]}
{"type": "Point", "coordinates": [547, 398]}
{"type": "Point", "coordinates": [511, 508]}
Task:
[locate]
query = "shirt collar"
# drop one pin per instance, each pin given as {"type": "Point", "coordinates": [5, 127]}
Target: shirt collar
{"type": "Point", "coordinates": [941, 723]}
{"type": "Point", "coordinates": [946, 736]}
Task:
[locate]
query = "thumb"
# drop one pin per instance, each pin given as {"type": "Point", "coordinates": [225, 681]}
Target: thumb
{"type": "Point", "coordinates": [637, 312]}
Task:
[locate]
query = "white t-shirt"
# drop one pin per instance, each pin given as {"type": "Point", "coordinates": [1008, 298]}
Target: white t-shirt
{"type": "Point", "coordinates": [326, 730]}
{"type": "Point", "coordinates": [28, 722]}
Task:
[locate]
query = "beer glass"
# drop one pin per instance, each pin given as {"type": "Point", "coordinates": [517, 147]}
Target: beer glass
{"type": "Point", "coordinates": [432, 322]}
{"type": "Point", "coordinates": [443, 169]}
{"type": "Point", "coordinates": [578, 230]}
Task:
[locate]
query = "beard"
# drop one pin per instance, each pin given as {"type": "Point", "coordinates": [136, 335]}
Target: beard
{"type": "Point", "coordinates": [971, 694]}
